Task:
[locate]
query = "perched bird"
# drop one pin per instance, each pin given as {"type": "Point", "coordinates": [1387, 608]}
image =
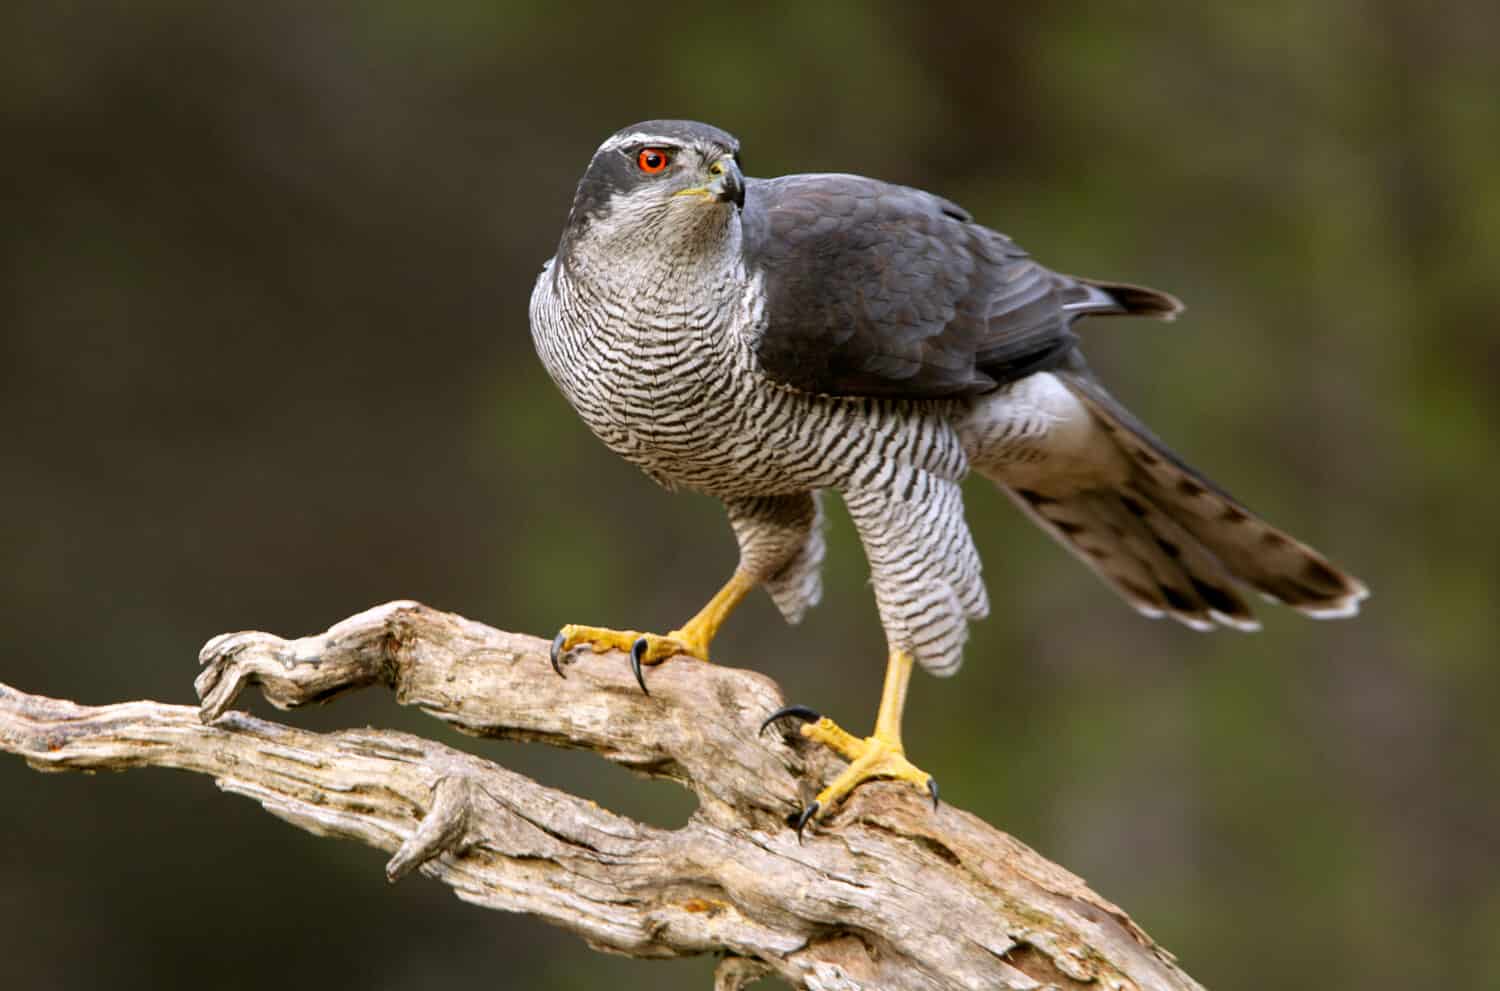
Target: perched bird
{"type": "Point", "coordinates": [764, 340]}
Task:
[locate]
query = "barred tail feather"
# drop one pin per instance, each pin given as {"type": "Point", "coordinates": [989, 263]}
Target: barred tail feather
{"type": "Point", "coordinates": [1151, 561]}
{"type": "Point", "coordinates": [1202, 532]}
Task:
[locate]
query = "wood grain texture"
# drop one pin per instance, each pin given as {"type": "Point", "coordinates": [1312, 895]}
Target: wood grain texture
{"type": "Point", "coordinates": [886, 893]}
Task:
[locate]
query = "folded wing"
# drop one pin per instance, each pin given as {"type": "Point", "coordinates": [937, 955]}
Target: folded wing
{"type": "Point", "coordinates": [874, 289]}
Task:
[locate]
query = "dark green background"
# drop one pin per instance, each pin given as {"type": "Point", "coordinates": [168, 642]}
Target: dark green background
{"type": "Point", "coordinates": [264, 361]}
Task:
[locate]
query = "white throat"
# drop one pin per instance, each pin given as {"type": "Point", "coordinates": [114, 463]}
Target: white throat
{"type": "Point", "coordinates": [679, 247]}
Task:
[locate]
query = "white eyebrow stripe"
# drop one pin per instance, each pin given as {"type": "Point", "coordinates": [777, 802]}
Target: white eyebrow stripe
{"type": "Point", "coordinates": [638, 137]}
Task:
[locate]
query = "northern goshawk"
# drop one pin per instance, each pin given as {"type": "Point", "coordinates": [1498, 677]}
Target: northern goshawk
{"type": "Point", "coordinates": [763, 340]}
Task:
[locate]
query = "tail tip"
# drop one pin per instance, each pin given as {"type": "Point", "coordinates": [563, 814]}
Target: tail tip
{"type": "Point", "coordinates": [1245, 624]}
{"type": "Point", "coordinates": [1342, 608]}
{"type": "Point", "coordinates": [1335, 607]}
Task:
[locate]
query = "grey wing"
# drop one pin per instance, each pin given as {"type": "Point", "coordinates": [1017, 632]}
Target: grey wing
{"type": "Point", "coordinates": [874, 289]}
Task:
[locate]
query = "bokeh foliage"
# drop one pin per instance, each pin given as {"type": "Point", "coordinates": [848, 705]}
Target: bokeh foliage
{"type": "Point", "coordinates": [264, 361]}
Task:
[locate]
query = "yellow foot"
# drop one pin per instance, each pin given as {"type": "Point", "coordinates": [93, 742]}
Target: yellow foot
{"type": "Point", "coordinates": [643, 648]}
{"type": "Point", "coordinates": [869, 758]}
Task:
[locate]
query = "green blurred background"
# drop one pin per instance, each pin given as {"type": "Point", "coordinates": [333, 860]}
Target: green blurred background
{"type": "Point", "coordinates": [264, 362]}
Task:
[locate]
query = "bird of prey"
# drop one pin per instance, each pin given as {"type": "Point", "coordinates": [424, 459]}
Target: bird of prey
{"type": "Point", "coordinates": [766, 340]}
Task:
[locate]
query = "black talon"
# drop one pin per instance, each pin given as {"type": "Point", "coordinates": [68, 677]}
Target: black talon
{"type": "Point", "coordinates": [932, 787]}
{"type": "Point", "coordinates": [637, 651]}
{"type": "Point", "coordinates": [557, 645]}
{"type": "Point", "coordinates": [797, 820]}
{"type": "Point", "coordinates": [800, 711]}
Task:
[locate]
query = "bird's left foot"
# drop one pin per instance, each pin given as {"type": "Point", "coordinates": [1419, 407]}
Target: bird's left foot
{"type": "Point", "coordinates": [869, 758]}
{"type": "Point", "coordinates": [643, 648]}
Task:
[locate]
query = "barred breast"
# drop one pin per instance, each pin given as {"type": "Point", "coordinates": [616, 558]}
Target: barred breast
{"type": "Point", "coordinates": [676, 391]}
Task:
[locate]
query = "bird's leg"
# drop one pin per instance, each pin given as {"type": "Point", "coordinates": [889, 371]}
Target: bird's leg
{"type": "Point", "coordinates": [698, 632]}
{"type": "Point", "coordinates": [692, 638]}
{"type": "Point", "coordinates": [879, 755]}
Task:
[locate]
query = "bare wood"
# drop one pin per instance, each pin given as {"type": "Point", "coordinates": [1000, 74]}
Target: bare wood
{"type": "Point", "coordinates": [885, 894]}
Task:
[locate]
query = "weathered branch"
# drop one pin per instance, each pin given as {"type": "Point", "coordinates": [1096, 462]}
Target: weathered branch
{"type": "Point", "coordinates": [884, 894]}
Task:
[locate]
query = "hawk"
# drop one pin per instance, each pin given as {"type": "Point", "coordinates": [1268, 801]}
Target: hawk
{"type": "Point", "coordinates": [766, 340]}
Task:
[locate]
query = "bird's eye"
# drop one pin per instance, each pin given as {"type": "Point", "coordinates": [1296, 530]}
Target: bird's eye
{"type": "Point", "coordinates": [653, 160]}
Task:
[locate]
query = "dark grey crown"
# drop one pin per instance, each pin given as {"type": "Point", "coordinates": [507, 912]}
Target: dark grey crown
{"type": "Point", "coordinates": [683, 132]}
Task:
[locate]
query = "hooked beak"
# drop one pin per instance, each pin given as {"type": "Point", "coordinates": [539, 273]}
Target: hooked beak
{"type": "Point", "coordinates": [728, 185]}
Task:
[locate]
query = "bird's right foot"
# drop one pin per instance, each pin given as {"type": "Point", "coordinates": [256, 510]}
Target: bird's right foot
{"type": "Point", "coordinates": [643, 648]}
{"type": "Point", "coordinates": [691, 639]}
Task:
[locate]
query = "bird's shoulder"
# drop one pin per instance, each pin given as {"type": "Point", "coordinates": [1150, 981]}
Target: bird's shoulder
{"type": "Point", "coordinates": [874, 288]}
{"type": "Point", "coordinates": [788, 201]}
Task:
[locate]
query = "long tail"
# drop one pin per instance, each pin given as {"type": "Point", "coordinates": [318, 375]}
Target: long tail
{"type": "Point", "coordinates": [1171, 542]}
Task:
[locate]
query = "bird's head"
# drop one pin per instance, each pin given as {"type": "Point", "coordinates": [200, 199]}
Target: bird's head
{"type": "Point", "coordinates": [661, 185]}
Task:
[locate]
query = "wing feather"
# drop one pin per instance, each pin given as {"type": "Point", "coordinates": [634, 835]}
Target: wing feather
{"type": "Point", "coordinates": [875, 289]}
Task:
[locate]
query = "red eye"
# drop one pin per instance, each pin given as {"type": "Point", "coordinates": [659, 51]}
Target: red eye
{"type": "Point", "coordinates": [653, 160]}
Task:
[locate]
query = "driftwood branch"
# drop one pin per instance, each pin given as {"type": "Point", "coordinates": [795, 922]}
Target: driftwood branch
{"type": "Point", "coordinates": [884, 894]}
